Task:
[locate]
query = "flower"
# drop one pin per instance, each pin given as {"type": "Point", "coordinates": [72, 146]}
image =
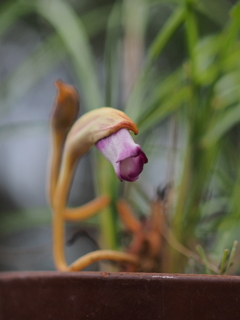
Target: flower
{"type": "Point", "coordinates": [71, 139]}
{"type": "Point", "coordinates": [124, 154]}
{"type": "Point", "coordinates": [107, 128]}
{"type": "Point", "coordinates": [92, 127]}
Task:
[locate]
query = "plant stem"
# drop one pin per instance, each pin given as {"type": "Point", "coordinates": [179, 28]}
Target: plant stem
{"type": "Point", "coordinates": [224, 260]}
{"type": "Point", "coordinates": [108, 223]}
{"type": "Point", "coordinates": [204, 258]}
{"type": "Point", "coordinates": [232, 254]}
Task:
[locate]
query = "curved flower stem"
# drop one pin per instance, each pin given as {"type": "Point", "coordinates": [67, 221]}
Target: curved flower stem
{"type": "Point", "coordinates": [127, 216]}
{"type": "Point", "coordinates": [58, 226]}
{"type": "Point", "coordinates": [98, 255]}
{"type": "Point", "coordinates": [55, 161]}
{"type": "Point", "coordinates": [64, 114]}
{"type": "Point", "coordinates": [87, 210]}
{"type": "Point", "coordinates": [59, 203]}
{"type": "Point", "coordinates": [61, 213]}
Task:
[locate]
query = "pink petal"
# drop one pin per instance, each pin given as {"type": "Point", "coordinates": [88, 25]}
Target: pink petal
{"type": "Point", "coordinates": [125, 155]}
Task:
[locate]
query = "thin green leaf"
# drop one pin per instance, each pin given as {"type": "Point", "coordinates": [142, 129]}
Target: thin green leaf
{"type": "Point", "coordinates": [134, 103]}
{"type": "Point", "coordinates": [107, 219]}
{"type": "Point", "coordinates": [166, 107]}
{"type": "Point", "coordinates": [231, 32]}
{"type": "Point", "coordinates": [224, 261]}
{"type": "Point", "coordinates": [67, 24]}
{"type": "Point", "coordinates": [162, 91]}
{"type": "Point", "coordinates": [99, 16]}
{"type": "Point", "coordinates": [112, 57]}
{"type": "Point", "coordinates": [235, 15]}
{"type": "Point", "coordinates": [227, 89]}
{"type": "Point", "coordinates": [224, 124]}
{"type": "Point", "coordinates": [204, 258]}
{"type": "Point", "coordinates": [217, 11]}
{"type": "Point", "coordinates": [231, 257]}
{"type": "Point", "coordinates": [169, 29]}
{"type": "Point", "coordinates": [191, 28]}
{"type": "Point", "coordinates": [45, 57]}
{"type": "Point", "coordinates": [206, 53]}
{"type": "Point", "coordinates": [10, 12]}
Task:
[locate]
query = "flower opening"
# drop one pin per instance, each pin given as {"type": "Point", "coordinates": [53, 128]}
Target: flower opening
{"type": "Point", "coordinates": [124, 154]}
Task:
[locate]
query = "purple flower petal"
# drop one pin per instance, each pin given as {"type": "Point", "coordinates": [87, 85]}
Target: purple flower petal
{"type": "Point", "coordinates": [124, 154]}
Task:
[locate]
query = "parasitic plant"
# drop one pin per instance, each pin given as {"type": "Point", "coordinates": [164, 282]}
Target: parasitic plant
{"type": "Point", "coordinates": [108, 129]}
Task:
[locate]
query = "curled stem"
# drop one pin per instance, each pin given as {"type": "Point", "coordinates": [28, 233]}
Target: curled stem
{"type": "Point", "coordinates": [87, 210]}
{"type": "Point", "coordinates": [99, 255]}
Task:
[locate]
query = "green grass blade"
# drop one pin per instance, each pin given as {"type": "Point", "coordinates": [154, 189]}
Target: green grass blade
{"type": "Point", "coordinates": [169, 29]}
{"type": "Point", "coordinates": [232, 255]}
{"type": "Point", "coordinates": [223, 125]}
{"type": "Point", "coordinates": [161, 91]}
{"type": "Point", "coordinates": [134, 104]}
{"type": "Point", "coordinates": [191, 29]}
{"type": "Point", "coordinates": [223, 262]}
{"type": "Point", "coordinates": [231, 33]}
{"type": "Point", "coordinates": [72, 32]}
{"type": "Point", "coordinates": [112, 58]}
{"type": "Point", "coordinates": [45, 57]}
{"type": "Point", "coordinates": [216, 10]}
{"type": "Point", "coordinates": [10, 12]}
{"type": "Point", "coordinates": [99, 16]}
{"type": "Point", "coordinates": [204, 258]}
{"type": "Point", "coordinates": [165, 108]}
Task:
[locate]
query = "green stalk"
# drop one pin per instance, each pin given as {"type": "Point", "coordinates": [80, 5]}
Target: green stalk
{"type": "Point", "coordinates": [163, 37]}
{"type": "Point", "coordinates": [224, 261]}
{"type": "Point", "coordinates": [71, 30]}
{"type": "Point", "coordinates": [10, 12]}
{"type": "Point", "coordinates": [176, 260]}
{"type": "Point", "coordinates": [204, 258]}
{"type": "Point", "coordinates": [104, 180]}
{"type": "Point", "coordinates": [134, 103]}
{"type": "Point", "coordinates": [192, 37]}
{"type": "Point", "coordinates": [231, 257]}
{"type": "Point", "coordinates": [188, 196]}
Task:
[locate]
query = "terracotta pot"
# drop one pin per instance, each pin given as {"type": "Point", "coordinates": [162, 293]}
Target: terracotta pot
{"type": "Point", "coordinates": [96, 295]}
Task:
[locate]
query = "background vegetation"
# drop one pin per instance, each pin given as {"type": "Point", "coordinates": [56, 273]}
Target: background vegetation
{"type": "Point", "coordinates": [174, 68]}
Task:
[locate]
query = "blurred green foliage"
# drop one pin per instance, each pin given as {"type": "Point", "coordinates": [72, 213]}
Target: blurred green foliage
{"type": "Point", "coordinates": [175, 61]}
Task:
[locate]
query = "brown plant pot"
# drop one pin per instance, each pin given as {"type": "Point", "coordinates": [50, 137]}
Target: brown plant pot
{"type": "Point", "coordinates": [97, 295]}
